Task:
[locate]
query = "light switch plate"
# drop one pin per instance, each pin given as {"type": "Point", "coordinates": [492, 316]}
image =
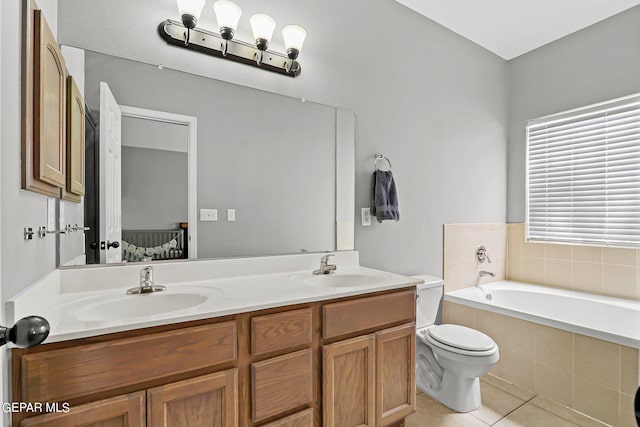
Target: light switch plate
{"type": "Point", "coordinates": [366, 217]}
{"type": "Point", "coordinates": [231, 214]}
{"type": "Point", "coordinates": [208, 214]}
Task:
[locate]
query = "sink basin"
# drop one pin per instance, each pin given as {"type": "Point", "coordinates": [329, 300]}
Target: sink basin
{"type": "Point", "coordinates": [144, 305]}
{"type": "Point", "coordinates": [346, 280]}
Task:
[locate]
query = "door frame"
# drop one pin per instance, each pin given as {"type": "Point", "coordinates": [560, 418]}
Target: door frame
{"type": "Point", "coordinates": [192, 129]}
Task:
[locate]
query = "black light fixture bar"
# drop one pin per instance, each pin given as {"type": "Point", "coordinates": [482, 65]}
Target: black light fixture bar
{"type": "Point", "coordinates": [173, 32]}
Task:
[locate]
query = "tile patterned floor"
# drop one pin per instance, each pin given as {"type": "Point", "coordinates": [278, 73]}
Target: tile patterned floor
{"type": "Point", "coordinates": [503, 405]}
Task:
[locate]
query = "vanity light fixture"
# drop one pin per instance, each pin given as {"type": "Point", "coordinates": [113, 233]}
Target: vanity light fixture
{"type": "Point", "coordinates": [222, 43]}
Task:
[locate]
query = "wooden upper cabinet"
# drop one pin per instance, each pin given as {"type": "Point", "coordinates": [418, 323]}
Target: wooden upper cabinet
{"type": "Point", "coordinates": [49, 109]}
{"type": "Point", "coordinates": [75, 142]}
{"type": "Point", "coordinates": [43, 106]}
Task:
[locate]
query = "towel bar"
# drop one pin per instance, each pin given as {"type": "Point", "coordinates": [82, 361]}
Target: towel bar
{"type": "Point", "coordinates": [381, 157]}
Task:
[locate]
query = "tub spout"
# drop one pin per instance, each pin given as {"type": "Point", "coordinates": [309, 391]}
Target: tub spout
{"type": "Point", "coordinates": [484, 273]}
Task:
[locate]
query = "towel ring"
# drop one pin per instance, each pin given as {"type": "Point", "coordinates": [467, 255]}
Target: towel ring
{"type": "Point", "coordinates": [381, 157]}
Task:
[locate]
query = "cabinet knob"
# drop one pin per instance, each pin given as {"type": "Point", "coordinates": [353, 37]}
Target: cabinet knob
{"type": "Point", "coordinates": [27, 332]}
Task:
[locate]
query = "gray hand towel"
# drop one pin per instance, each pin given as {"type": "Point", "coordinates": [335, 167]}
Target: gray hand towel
{"type": "Point", "coordinates": [385, 197]}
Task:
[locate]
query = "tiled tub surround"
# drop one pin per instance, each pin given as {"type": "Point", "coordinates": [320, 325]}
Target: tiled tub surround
{"type": "Point", "coordinates": [235, 285]}
{"type": "Point", "coordinates": [461, 269]}
{"type": "Point", "coordinates": [592, 376]}
{"type": "Point", "coordinates": [592, 269]}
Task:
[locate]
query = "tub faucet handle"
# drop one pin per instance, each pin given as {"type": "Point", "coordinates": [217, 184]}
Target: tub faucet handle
{"type": "Point", "coordinates": [482, 255]}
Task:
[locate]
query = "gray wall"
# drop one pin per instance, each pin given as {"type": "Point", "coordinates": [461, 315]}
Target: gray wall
{"type": "Point", "coordinates": [432, 101]}
{"type": "Point", "coordinates": [596, 64]}
{"type": "Point", "coordinates": [154, 188]}
{"type": "Point", "coordinates": [270, 157]}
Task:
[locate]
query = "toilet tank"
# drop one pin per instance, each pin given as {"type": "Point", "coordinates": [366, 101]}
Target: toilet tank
{"type": "Point", "coordinates": [429, 296]}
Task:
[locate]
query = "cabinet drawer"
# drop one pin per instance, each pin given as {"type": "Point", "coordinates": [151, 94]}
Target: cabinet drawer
{"type": "Point", "coordinates": [120, 411]}
{"type": "Point", "coordinates": [59, 375]}
{"type": "Point", "coordinates": [281, 384]}
{"type": "Point", "coordinates": [280, 331]}
{"type": "Point", "coordinates": [299, 419]}
{"type": "Point", "coordinates": [342, 318]}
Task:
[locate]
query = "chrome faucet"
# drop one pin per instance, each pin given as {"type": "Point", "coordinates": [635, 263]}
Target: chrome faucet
{"type": "Point", "coordinates": [325, 267]}
{"type": "Point", "coordinates": [146, 283]}
{"type": "Point", "coordinates": [484, 273]}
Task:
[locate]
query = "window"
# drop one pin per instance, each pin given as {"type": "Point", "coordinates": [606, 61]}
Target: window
{"type": "Point", "coordinates": [583, 175]}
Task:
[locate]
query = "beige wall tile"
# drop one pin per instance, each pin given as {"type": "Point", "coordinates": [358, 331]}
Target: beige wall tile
{"type": "Point", "coordinates": [595, 400]}
{"type": "Point", "coordinates": [552, 383]}
{"type": "Point", "coordinates": [629, 370]}
{"type": "Point", "coordinates": [553, 348]}
{"type": "Point", "coordinates": [619, 280]}
{"type": "Point", "coordinates": [517, 370]}
{"type": "Point", "coordinates": [620, 256]}
{"type": "Point", "coordinates": [451, 227]}
{"type": "Point", "coordinates": [558, 251]}
{"type": "Point", "coordinates": [533, 270]}
{"type": "Point", "coordinates": [530, 249]}
{"type": "Point", "coordinates": [490, 324]}
{"type": "Point", "coordinates": [507, 387]}
{"type": "Point", "coordinates": [460, 249]}
{"type": "Point", "coordinates": [461, 275]}
{"type": "Point", "coordinates": [514, 267]}
{"type": "Point", "coordinates": [597, 361]}
{"type": "Point", "coordinates": [586, 253]}
{"type": "Point", "coordinates": [459, 314]}
{"type": "Point", "coordinates": [587, 277]}
{"type": "Point", "coordinates": [627, 411]}
{"type": "Point", "coordinates": [518, 337]}
{"type": "Point", "coordinates": [557, 273]}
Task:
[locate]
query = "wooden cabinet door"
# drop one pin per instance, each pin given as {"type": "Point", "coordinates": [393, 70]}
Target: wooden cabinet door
{"type": "Point", "coordinates": [49, 106]}
{"type": "Point", "coordinates": [206, 401]}
{"type": "Point", "coordinates": [395, 374]}
{"type": "Point", "coordinates": [75, 142]}
{"type": "Point", "coordinates": [119, 411]}
{"type": "Point", "coordinates": [348, 381]}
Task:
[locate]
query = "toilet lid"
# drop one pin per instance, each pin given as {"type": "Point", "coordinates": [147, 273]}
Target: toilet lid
{"type": "Point", "coordinates": [462, 337]}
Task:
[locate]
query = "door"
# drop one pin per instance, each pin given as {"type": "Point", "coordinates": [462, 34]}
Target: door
{"type": "Point", "coordinates": [395, 374]}
{"type": "Point", "coordinates": [120, 411]}
{"type": "Point", "coordinates": [206, 401]}
{"type": "Point", "coordinates": [110, 177]}
{"type": "Point", "coordinates": [348, 374]}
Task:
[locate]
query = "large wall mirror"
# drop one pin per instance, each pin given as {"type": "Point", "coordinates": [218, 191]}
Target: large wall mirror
{"type": "Point", "coordinates": [209, 169]}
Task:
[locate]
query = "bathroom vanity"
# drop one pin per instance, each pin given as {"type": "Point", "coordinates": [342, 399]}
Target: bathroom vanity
{"type": "Point", "coordinates": [344, 357]}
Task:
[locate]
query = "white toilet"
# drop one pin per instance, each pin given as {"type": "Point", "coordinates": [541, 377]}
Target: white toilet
{"type": "Point", "coordinates": [450, 358]}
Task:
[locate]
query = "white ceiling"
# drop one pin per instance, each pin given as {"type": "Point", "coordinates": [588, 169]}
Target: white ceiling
{"type": "Point", "coordinates": [510, 28]}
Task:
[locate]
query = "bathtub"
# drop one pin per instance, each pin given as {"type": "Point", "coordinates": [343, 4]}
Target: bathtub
{"type": "Point", "coordinates": [610, 319]}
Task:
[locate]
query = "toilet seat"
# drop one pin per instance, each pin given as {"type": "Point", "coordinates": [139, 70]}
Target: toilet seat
{"type": "Point", "coordinates": [460, 339]}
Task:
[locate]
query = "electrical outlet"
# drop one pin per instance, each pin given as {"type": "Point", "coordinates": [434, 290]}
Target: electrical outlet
{"type": "Point", "coordinates": [231, 214]}
{"type": "Point", "coordinates": [366, 217]}
{"type": "Point", "coordinates": [208, 214]}
{"type": "Point", "coordinates": [51, 213]}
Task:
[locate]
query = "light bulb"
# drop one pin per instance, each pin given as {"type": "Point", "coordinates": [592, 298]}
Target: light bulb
{"type": "Point", "coordinates": [190, 11]}
{"type": "Point", "coordinates": [262, 26]}
{"type": "Point", "coordinates": [228, 14]}
{"type": "Point", "coordinates": [293, 36]}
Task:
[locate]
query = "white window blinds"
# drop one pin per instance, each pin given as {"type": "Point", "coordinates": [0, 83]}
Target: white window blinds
{"type": "Point", "coordinates": [583, 175]}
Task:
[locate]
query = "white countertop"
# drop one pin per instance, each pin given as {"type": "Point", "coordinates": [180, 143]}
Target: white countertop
{"type": "Point", "coordinates": [74, 300]}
